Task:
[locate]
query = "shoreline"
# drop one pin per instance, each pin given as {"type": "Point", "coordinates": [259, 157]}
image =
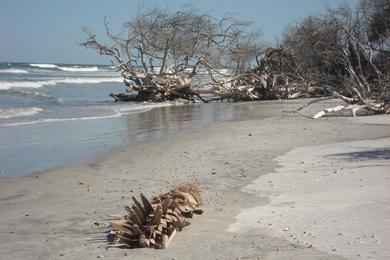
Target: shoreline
{"type": "Point", "coordinates": [48, 216]}
{"type": "Point", "coordinates": [39, 148]}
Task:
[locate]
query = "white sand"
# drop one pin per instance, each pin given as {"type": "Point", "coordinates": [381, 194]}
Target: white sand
{"type": "Point", "coordinates": [334, 197]}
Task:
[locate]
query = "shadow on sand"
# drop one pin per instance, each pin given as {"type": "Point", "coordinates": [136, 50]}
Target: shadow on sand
{"type": "Point", "coordinates": [375, 154]}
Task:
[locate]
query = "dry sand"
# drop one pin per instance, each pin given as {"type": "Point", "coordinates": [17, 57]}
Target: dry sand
{"type": "Point", "coordinates": [333, 197]}
{"type": "Point", "coordinates": [48, 215]}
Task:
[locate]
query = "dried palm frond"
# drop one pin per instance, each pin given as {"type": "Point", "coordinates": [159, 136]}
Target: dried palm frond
{"type": "Point", "coordinates": [154, 223]}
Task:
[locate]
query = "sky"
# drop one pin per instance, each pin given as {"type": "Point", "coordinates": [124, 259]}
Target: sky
{"type": "Point", "coordinates": [49, 31]}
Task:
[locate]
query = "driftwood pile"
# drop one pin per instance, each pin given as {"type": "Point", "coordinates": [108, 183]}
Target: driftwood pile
{"type": "Point", "coordinates": [153, 223]}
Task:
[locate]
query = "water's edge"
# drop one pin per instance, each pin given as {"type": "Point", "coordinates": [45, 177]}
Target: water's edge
{"type": "Point", "coordinates": [44, 146]}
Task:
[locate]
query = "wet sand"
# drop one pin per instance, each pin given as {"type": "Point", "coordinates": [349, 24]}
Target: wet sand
{"type": "Point", "coordinates": [44, 146]}
{"type": "Point", "coordinates": [48, 215]}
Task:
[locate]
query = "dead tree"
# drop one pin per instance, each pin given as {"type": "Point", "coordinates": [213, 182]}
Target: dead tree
{"type": "Point", "coordinates": [365, 83]}
{"type": "Point", "coordinates": [158, 54]}
{"type": "Point", "coordinates": [340, 55]}
{"type": "Point", "coordinates": [344, 53]}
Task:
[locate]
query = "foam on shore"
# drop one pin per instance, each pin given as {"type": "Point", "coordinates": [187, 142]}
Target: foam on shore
{"type": "Point", "coordinates": [19, 112]}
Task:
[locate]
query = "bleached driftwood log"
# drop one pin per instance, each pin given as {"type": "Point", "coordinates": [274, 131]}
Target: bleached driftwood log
{"type": "Point", "coordinates": [353, 108]}
{"type": "Point", "coordinates": [154, 223]}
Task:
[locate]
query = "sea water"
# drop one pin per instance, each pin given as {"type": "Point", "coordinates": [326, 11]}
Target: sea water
{"type": "Point", "coordinates": [34, 93]}
{"type": "Point", "coordinates": [43, 108]}
{"type": "Point", "coordinates": [55, 114]}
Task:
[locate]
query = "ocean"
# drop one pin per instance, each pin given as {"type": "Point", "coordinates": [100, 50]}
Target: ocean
{"type": "Point", "coordinates": [55, 114]}
{"type": "Point", "coordinates": [37, 93]}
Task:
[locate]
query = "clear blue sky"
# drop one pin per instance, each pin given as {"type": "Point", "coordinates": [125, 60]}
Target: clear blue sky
{"type": "Point", "coordinates": [48, 30]}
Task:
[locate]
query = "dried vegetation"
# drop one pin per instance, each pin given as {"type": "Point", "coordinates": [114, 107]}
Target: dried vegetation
{"type": "Point", "coordinates": [154, 223]}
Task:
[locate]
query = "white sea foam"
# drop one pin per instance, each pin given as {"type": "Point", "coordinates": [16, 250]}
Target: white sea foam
{"type": "Point", "coordinates": [14, 71]}
{"type": "Point", "coordinates": [126, 109]}
{"type": "Point", "coordinates": [44, 65]}
{"type": "Point", "coordinates": [69, 69]}
{"type": "Point", "coordinates": [78, 69]}
{"type": "Point", "coordinates": [19, 112]}
{"type": "Point", "coordinates": [42, 83]}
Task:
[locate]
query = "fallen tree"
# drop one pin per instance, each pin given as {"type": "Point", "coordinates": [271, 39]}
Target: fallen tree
{"type": "Point", "coordinates": [159, 53]}
{"type": "Point", "coordinates": [344, 53]}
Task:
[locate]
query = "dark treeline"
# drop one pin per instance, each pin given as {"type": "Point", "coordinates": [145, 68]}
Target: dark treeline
{"type": "Point", "coordinates": [344, 52]}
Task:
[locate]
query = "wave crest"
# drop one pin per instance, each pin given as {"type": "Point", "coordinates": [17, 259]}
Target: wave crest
{"type": "Point", "coordinates": [78, 69]}
{"type": "Point", "coordinates": [42, 83]}
{"type": "Point", "coordinates": [19, 112]}
{"type": "Point", "coordinates": [29, 94]}
{"type": "Point", "coordinates": [13, 70]}
{"type": "Point", "coordinates": [68, 69]}
{"type": "Point", "coordinates": [44, 65]}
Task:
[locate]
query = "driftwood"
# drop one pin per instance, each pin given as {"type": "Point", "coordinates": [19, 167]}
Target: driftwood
{"type": "Point", "coordinates": [154, 223]}
{"type": "Point", "coordinates": [353, 108]}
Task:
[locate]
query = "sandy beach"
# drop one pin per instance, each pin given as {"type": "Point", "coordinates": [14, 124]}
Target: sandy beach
{"type": "Point", "coordinates": [275, 187]}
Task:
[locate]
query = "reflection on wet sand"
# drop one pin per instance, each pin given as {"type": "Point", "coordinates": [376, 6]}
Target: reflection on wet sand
{"type": "Point", "coordinates": [30, 148]}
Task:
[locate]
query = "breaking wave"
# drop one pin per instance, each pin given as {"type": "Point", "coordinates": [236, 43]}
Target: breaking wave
{"type": "Point", "coordinates": [69, 69]}
{"type": "Point", "coordinates": [42, 83]}
{"type": "Point", "coordinates": [29, 94]}
{"type": "Point", "coordinates": [13, 70]}
{"type": "Point", "coordinates": [79, 69]}
{"type": "Point", "coordinates": [19, 112]}
{"type": "Point", "coordinates": [44, 65]}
